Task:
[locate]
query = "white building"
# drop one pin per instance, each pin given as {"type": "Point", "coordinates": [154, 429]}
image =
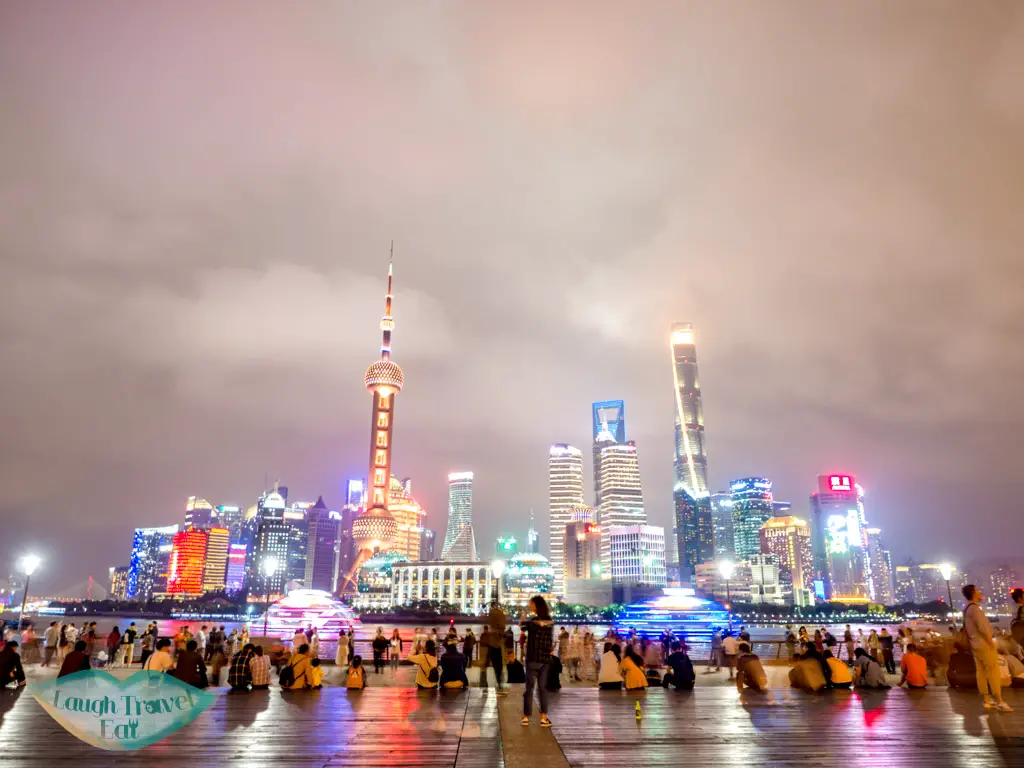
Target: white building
{"type": "Point", "coordinates": [460, 516]}
{"type": "Point", "coordinates": [622, 499]}
{"type": "Point", "coordinates": [637, 553]}
{"type": "Point", "coordinates": [470, 585]}
{"type": "Point", "coordinates": [765, 583]}
{"type": "Point", "coordinates": [565, 489]}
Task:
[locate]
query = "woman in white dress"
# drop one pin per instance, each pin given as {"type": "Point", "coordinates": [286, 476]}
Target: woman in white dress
{"type": "Point", "coordinates": [341, 657]}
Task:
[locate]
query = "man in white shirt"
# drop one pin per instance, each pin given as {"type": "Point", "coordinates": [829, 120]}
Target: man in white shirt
{"type": "Point", "coordinates": [160, 660]}
{"type": "Point", "coordinates": [731, 646]}
{"type": "Point", "coordinates": [200, 639]}
{"type": "Point", "coordinates": [50, 640]}
{"type": "Point", "coordinates": [983, 648]}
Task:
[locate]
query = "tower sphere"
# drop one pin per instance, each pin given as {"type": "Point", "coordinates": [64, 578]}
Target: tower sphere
{"type": "Point", "coordinates": [384, 373]}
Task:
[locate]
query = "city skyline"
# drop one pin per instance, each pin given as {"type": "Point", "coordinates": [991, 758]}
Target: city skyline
{"type": "Point", "coordinates": [193, 297]}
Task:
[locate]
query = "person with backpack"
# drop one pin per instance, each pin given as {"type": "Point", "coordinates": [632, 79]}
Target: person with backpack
{"type": "Point", "coordinates": [355, 680]}
{"type": "Point", "coordinates": [427, 673]}
{"type": "Point", "coordinates": [983, 648]}
{"type": "Point", "coordinates": [293, 676]}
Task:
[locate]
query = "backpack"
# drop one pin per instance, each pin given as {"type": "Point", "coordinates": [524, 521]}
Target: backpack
{"type": "Point", "coordinates": [432, 674]}
{"type": "Point", "coordinates": [287, 677]}
{"type": "Point", "coordinates": [962, 640]}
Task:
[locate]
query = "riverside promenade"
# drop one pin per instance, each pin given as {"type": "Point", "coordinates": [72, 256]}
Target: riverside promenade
{"type": "Point", "coordinates": [390, 724]}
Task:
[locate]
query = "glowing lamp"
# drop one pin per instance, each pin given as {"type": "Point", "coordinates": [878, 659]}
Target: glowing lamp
{"type": "Point", "coordinates": [29, 563]}
{"type": "Point", "coordinates": [498, 568]}
{"type": "Point", "coordinates": [726, 568]}
{"type": "Point", "coordinates": [946, 570]}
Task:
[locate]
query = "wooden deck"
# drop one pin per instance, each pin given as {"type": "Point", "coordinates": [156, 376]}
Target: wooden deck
{"type": "Point", "coordinates": [402, 727]}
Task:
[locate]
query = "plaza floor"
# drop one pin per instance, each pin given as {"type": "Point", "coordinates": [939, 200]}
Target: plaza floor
{"type": "Point", "coordinates": [389, 725]}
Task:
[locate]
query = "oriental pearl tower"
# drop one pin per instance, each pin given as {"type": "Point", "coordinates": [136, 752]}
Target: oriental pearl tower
{"type": "Point", "coordinates": [375, 529]}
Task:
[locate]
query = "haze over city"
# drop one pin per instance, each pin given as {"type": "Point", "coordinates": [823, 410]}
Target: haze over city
{"type": "Point", "coordinates": [196, 210]}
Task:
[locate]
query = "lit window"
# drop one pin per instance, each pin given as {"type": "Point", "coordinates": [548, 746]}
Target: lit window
{"type": "Point", "coordinates": [378, 496]}
{"type": "Point", "coordinates": [384, 403]}
{"type": "Point", "coordinates": [381, 458]}
{"type": "Point", "coordinates": [382, 420]}
{"type": "Point", "coordinates": [382, 439]}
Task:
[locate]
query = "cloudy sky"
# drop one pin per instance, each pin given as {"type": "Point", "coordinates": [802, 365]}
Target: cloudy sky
{"type": "Point", "coordinates": [196, 204]}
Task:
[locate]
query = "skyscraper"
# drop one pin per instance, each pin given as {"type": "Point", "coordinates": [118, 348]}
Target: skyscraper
{"type": "Point", "coordinates": [119, 582]}
{"type": "Point", "coordinates": [460, 517]}
{"type": "Point", "coordinates": [751, 508]}
{"type": "Point", "coordinates": [322, 550]}
{"type": "Point", "coordinates": [582, 547]}
{"type": "Point", "coordinates": [199, 513]}
{"type": "Point", "coordinates": [298, 541]}
{"type": "Point", "coordinates": [188, 562]}
{"type": "Point", "coordinates": [609, 426]}
{"type": "Point", "coordinates": [375, 529]}
{"type": "Point", "coordinates": [881, 569]}
{"type": "Point", "coordinates": [637, 554]}
{"type": "Point", "coordinates": [622, 498]}
{"type": "Point", "coordinates": [234, 577]}
{"type": "Point", "coordinates": [1001, 581]}
{"type": "Point", "coordinates": [271, 540]}
{"type": "Point", "coordinates": [565, 491]}
{"type": "Point", "coordinates": [839, 538]}
{"type": "Point", "coordinates": [789, 539]}
{"type": "Point", "coordinates": [692, 522]}
{"type": "Point", "coordinates": [409, 518]}
{"type": "Point", "coordinates": [532, 538]}
{"type": "Point", "coordinates": [150, 562]}
{"type": "Point", "coordinates": [721, 513]}
{"type": "Point", "coordinates": [215, 570]}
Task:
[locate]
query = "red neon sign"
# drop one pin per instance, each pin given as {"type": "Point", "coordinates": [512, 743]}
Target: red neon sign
{"type": "Point", "coordinates": [837, 483]}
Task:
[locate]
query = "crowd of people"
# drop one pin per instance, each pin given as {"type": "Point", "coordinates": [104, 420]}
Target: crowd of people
{"type": "Point", "coordinates": [541, 657]}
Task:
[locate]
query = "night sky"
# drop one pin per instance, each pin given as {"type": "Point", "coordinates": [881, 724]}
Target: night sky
{"type": "Point", "coordinates": [196, 205]}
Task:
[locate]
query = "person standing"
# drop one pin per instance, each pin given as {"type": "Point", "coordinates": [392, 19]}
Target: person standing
{"type": "Point", "coordinates": [202, 638]}
{"type": "Point", "coordinates": [576, 651]}
{"type": "Point", "coordinates": [468, 643]}
{"type": "Point", "coordinates": [147, 648]}
{"type": "Point", "coordinates": [848, 642]}
{"type": "Point", "coordinates": [563, 648]}
{"type": "Point", "coordinates": [113, 643]}
{"type": "Point", "coordinates": [341, 655]}
{"type": "Point", "coordinates": [395, 652]}
{"type": "Point", "coordinates": [886, 641]}
{"type": "Point", "coordinates": [314, 644]}
{"type": "Point", "coordinates": [380, 647]}
{"type": "Point", "coordinates": [983, 647]}
{"type": "Point", "coordinates": [730, 647]}
{"type": "Point", "coordinates": [501, 645]}
{"type": "Point", "coordinates": [539, 634]}
{"type": "Point", "coordinates": [127, 649]}
{"type": "Point", "coordinates": [50, 641]}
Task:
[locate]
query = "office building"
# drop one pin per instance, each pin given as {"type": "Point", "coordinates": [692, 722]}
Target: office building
{"type": "Point", "coordinates": [234, 578]}
{"type": "Point", "coordinates": [374, 528]}
{"type": "Point", "coordinates": [150, 562]}
{"type": "Point", "coordinates": [409, 518]}
{"type": "Point", "coordinates": [188, 563]}
{"type": "Point", "coordinates": [622, 499]}
{"type": "Point", "coordinates": [470, 585]}
{"type": "Point", "coordinates": [119, 582]}
{"type": "Point", "coordinates": [765, 580]}
{"type": "Point", "coordinates": [582, 548]}
{"type": "Point", "coordinates": [271, 540]}
{"type": "Point", "coordinates": [298, 541]}
{"type": "Point", "coordinates": [460, 517]}
{"type": "Point", "coordinates": [789, 540]}
{"type": "Point", "coordinates": [692, 512]}
{"type": "Point", "coordinates": [637, 554]}
{"type": "Point", "coordinates": [708, 581]}
{"type": "Point", "coordinates": [216, 560]}
{"type": "Point", "coordinates": [322, 548]}
{"type": "Point", "coordinates": [751, 508]}
{"type": "Point", "coordinates": [721, 524]}
{"type": "Point", "coordinates": [565, 491]}
{"type": "Point", "coordinates": [199, 513]}
{"type": "Point", "coordinates": [881, 569]}
{"type": "Point", "coordinates": [923, 583]}
{"type": "Point", "coordinates": [609, 428]}
{"type": "Point", "coordinates": [838, 522]}
{"type": "Point", "coordinates": [1000, 582]}
{"type": "Point", "coordinates": [229, 516]}
{"type": "Point", "coordinates": [526, 575]}
{"type": "Point", "coordinates": [355, 499]}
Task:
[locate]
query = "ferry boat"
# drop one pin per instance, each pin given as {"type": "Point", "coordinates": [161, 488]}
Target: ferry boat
{"type": "Point", "coordinates": [678, 609]}
{"type": "Point", "coordinates": [303, 608]}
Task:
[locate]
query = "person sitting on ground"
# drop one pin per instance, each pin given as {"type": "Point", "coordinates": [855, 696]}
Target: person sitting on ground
{"type": "Point", "coordinates": [515, 672]}
{"type": "Point", "coordinates": [160, 660]}
{"type": "Point", "coordinates": [681, 673]}
{"type": "Point", "coordinates": [811, 653]}
{"type": "Point", "coordinates": [633, 671]}
{"type": "Point", "coordinates": [749, 671]}
{"type": "Point", "coordinates": [11, 670]}
{"type": "Point", "coordinates": [76, 661]}
{"type": "Point", "coordinates": [190, 668]}
{"type": "Point", "coordinates": [239, 676]}
{"type": "Point", "coordinates": [806, 673]}
{"type": "Point", "coordinates": [453, 667]}
{"type": "Point", "coordinates": [840, 674]}
{"type": "Point", "coordinates": [299, 666]}
{"type": "Point", "coordinates": [425, 662]}
{"type": "Point", "coordinates": [609, 678]}
{"type": "Point", "coordinates": [914, 668]}
{"type": "Point", "coordinates": [259, 669]}
{"type": "Point", "coordinates": [868, 673]}
{"type": "Point", "coordinates": [316, 674]}
{"type": "Point", "coordinates": [356, 678]}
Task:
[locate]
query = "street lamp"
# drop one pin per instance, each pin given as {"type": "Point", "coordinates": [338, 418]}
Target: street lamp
{"type": "Point", "coordinates": [726, 568]}
{"type": "Point", "coordinates": [497, 569]}
{"type": "Point", "coordinates": [269, 569]}
{"type": "Point", "coordinates": [29, 563]}
{"type": "Point", "coordinates": [947, 573]}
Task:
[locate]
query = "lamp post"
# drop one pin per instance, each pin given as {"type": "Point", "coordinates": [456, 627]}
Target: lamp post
{"type": "Point", "coordinates": [497, 569]}
{"type": "Point", "coordinates": [29, 563]}
{"type": "Point", "coordinates": [947, 573]}
{"type": "Point", "coordinates": [269, 569]}
{"type": "Point", "coordinates": [726, 568]}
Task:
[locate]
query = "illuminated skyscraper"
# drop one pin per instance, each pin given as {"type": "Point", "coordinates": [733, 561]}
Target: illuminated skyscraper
{"type": "Point", "coordinates": [375, 529]}
{"type": "Point", "coordinates": [323, 547]}
{"type": "Point", "coordinates": [622, 498]}
{"type": "Point", "coordinates": [609, 425]}
{"type": "Point", "coordinates": [789, 539]}
{"type": "Point", "coordinates": [582, 547]}
{"type": "Point", "coordinates": [460, 517]}
{"type": "Point", "coordinates": [215, 569]}
{"type": "Point", "coordinates": [637, 554]}
{"type": "Point", "coordinates": [119, 582]}
{"type": "Point", "coordinates": [199, 513]}
{"type": "Point", "coordinates": [188, 562]}
{"type": "Point", "coordinates": [694, 528]}
{"type": "Point", "coordinates": [721, 515]}
{"type": "Point", "coordinates": [150, 563]}
{"type": "Point", "coordinates": [409, 517]}
{"type": "Point", "coordinates": [839, 538]}
{"type": "Point", "coordinates": [881, 569]}
{"type": "Point", "coordinates": [532, 538]}
{"type": "Point", "coordinates": [751, 508]}
{"type": "Point", "coordinates": [565, 491]}
{"type": "Point", "coordinates": [234, 578]}
{"type": "Point", "coordinates": [272, 538]}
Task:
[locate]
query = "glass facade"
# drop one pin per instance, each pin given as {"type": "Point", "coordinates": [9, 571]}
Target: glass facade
{"type": "Point", "coordinates": [752, 507]}
{"type": "Point", "coordinates": [565, 492]}
{"type": "Point", "coordinates": [622, 498]}
{"type": "Point", "coordinates": [460, 516]}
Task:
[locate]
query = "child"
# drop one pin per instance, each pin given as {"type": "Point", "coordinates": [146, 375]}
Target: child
{"type": "Point", "coordinates": [316, 675]}
{"type": "Point", "coordinates": [356, 677]}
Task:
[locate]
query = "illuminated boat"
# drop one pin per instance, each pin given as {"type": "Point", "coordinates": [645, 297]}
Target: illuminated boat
{"type": "Point", "coordinates": [678, 609]}
{"type": "Point", "coordinates": [302, 608]}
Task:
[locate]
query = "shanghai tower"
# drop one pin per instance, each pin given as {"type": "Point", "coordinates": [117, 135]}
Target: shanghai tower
{"type": "Point", "coordinates": [691, 499]}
